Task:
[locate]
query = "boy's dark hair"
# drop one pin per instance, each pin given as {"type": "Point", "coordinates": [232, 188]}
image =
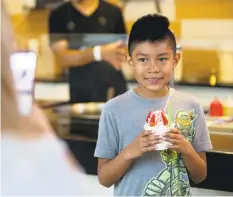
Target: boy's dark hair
{"type": "Point", "coordinates": [152, 27]}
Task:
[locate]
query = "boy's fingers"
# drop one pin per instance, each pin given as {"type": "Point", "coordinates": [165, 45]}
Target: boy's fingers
{"type": "Point", "coordinates": [149, 148]}
{"type": "Point", "coordinates": [150, 143]}
{"type": "Point", "coordinates": [173, 141]}
{"type": "Point", "coordinates": [146, 132]}
{"type": "Point", "coordinates": [172, 135]}
{"type": "Point", "coordinates": [174, 130]}
{"type": "Point", "coordinates": [174, 147]}
{"type": "Point", "coordinates": [154, 137]}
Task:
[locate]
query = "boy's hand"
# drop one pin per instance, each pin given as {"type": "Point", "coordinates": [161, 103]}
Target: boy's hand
{"type": "Point", "coordinates": [180, 143]}
{"type": "Point", "coordinates": [145, 142]}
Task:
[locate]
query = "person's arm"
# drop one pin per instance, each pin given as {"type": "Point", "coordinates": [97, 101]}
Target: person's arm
{"type": "Point", "coordinates": [196, 165]}
{"type": "Point", "coordinates": [194, 162]}
{"type": "Point", "coordinates": [112, 163]}
{"type": "Point", "coordinates": [110, 171]}
{"type": "Point", "coordinates": [71, 58]}
{"type": "Point", "coordinates": [112, 53]}
{"type": "Point", "coordinates": [194, 155]}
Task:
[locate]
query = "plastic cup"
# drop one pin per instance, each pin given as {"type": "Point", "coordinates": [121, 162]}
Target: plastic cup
{"type": "Point", "coordinates": [161, 131]}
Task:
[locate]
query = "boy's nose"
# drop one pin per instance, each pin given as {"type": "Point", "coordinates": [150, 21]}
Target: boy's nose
{"type": "Point", "coordinates": [153, 67]}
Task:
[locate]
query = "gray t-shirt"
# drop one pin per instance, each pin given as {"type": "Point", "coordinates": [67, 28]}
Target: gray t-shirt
{"type": "Point", "coordinates": [156, 173]}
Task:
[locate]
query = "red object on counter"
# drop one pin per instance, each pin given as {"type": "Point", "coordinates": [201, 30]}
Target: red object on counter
{"type": "Point", "coordinates": [216, 108]}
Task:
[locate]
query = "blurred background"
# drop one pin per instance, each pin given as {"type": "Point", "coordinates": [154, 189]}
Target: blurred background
{"type": "Point", "coordinates": [204, 33]}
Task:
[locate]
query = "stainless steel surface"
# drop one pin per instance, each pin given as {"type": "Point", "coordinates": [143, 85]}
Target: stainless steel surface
{"type": "Point", "coordinates": [87, 110]}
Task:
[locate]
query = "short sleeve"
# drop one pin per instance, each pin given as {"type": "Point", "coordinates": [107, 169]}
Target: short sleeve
{"type": "Point", "coordinates": [56, 31]}
{"type": "Point", "coordinates": [120, 24]}
{"type": "Point", "coordinates": [201, 141]}
{"type": "Point", "coordinates": [107, 142]}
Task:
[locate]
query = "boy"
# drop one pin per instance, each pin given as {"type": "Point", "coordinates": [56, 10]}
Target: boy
{"type": "Point", "coordinates": [128, 158]}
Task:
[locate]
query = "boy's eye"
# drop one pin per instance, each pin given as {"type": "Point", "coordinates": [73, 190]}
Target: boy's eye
{"type": "Point", "coordinates": [163, 59]}
{"type": "Point", "coordinates": [142, 59]}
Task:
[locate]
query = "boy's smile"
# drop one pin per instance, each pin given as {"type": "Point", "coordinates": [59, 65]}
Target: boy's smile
{"type": "Point", "coordinates": [153, 63]}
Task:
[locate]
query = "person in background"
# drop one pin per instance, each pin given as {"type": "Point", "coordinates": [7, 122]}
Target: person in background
{"type": "Point", "coordinates": [34, 162]}
{"type": "Point", "coordinates": [92, 71]}
{"type": "Point", "coordinates": [129, 154]}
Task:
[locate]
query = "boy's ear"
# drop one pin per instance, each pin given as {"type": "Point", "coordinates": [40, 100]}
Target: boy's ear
{"type": "Point", "coordinates": [176, 59]}
{"type": "Point", "coordinates": [129, 60]}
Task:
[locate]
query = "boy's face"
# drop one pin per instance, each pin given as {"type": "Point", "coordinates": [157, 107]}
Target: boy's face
{"type": "Point", "coordinates": [153, 63]}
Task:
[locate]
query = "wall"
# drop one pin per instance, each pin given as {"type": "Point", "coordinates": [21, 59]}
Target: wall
{"type": "Point", "coordinates": [203, 27]}
{"type": "Point", "coordinates": [204, 9]}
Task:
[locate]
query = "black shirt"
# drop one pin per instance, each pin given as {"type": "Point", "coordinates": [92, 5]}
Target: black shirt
{"type": "Point", "coordinates": [89, 83]}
